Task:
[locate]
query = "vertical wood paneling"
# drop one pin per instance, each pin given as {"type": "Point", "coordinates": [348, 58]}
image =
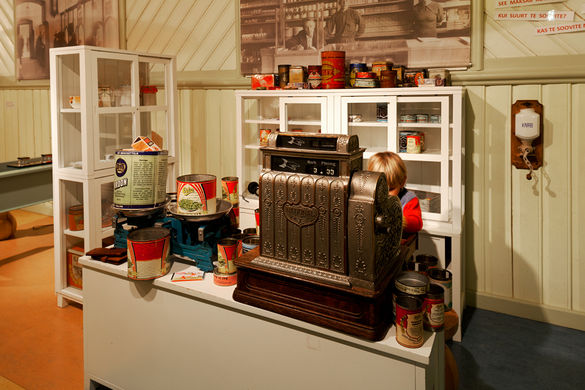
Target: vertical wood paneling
{"type": "Point", "coordinates": [577, 214]}
{"type": "Point", "coordinates": [527, 221]}
{"type": "Point", "coordinates": [213, 133]}
{"type": "Point", "coordinates": [7, 38]}
{"type": "Point", "coordinates": [26, 134]}
{"type": "Point", "coordinates": [11, 129]}
{"type": "Point", "coordinates": [475, 249]}
{"type": "Point", "coordinates": [2, 127]}
{"type": "Point", "coordinates": [184, 129]}
{"type": "Point", "coordinates": [556, 196]}
{"type": "Point", "coordinates": [199, 131]}
{"type": "Point", "coordinates": [228, 133]}
{"type": "Point", "coordinates": [498, 268]}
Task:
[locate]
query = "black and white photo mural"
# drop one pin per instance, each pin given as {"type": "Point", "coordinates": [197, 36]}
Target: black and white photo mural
{"type": "Point", "coordinates": [413, 33]}
{"type": "Point", "coordinates": [43, 24]}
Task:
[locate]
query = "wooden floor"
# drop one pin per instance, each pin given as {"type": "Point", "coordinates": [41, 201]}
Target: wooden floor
{"type": "Point", "coordinates": [41, 345]}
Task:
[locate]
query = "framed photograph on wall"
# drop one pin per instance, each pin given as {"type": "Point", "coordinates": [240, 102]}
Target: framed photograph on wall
{"type": "Point", "coordinates": [43, 24]}
{"type": "Point", "coordinates": [413, 33]}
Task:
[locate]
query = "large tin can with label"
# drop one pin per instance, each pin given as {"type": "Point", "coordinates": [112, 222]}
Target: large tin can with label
{"type": "Point", "coordinates": [140, 179]}
{"type": "Point", "coordinates": [413, 283]}
{"type": "Point", "coordinates": [333, 69]}
{"type": "Point", "coordinates": [196, 194]}
{"type": "Point", "coordinates": [229, 192]}
{"type": "Point", "coordinates": [409, 321]}
{"type": "Point", "coordinates": [434, 308]}
{"type": "Point", "coordinates": [148, 253]}
{"type": "Point", "coordinates": [443, 278]}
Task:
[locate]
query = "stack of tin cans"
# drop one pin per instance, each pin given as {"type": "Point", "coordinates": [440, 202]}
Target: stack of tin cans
{"type": "Point", "coordinates": [420, 297]}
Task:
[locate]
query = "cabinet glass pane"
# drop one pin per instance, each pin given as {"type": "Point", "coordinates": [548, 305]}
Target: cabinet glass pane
{"type": "Point", "coordinates": [369, 121]}
{"type": "Point", "coordinates": [420, 112]}
{"type": "Point", "coordinates": [114, 82]}
{"type": "Point", "coordinates": [107, 197]}
{"type": "Point", "coordinates": [68, 68]}
{"type": "Point", "coordinates": [367, 112]}
{"type": "Point", "coordinates": [155, 122]}
{"type": "Point", "coordinates": [424, 178]}
{"type": "Point", "coordinates": [115, 133]}
{"type": "Point", "coordinates": [305, 117]}
{"type": "Point", "coordinates": [70, 140]}
{"type": "Point", "coordinates": [72, 205]}
{"type": "Point", "coordinates": [152, 84]}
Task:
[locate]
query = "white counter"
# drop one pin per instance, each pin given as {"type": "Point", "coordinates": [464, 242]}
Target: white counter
{"type": "Point", "coordinates": [173, 335]}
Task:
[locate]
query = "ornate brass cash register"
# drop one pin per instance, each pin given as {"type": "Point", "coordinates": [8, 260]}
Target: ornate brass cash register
{"type": "Point", "coordinates": [329, 236]}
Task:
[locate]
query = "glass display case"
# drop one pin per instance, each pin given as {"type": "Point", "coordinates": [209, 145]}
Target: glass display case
{"type": "Point", "coordinates": [101, 101]}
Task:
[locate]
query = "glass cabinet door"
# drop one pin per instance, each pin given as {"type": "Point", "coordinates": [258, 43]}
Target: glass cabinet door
{"type": "Point", "coordinates": [423, 141]}
{"type": "Point", "coordinates": [69, 106]}
{"type": "Point", "coordinates": [370, 119]}
{"type": "Point", "coordinates": [115, 101]}
{"type": "Point", "coordinates": [306, 114]}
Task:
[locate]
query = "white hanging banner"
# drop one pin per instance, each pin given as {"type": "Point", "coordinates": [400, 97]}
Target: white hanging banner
{"type": "Point", "coordinates": [520, 3]}
{"type": "Point", "coordinates": [560, 29]}
{"type": "Point", "coordinates": [536, 16]}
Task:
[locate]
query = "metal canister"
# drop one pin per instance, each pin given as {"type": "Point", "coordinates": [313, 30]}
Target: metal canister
{"type": "Point", "coordinates": [264, 133]}
{"type": "Point", "coordinates": [402, 143]}
{"type": "Point", "coordinates": [412, 283]}
{"type": "Point", "coordinates": [140, 179]}
{"type": "Point", "coordinates": [434, 308]}
{"type": "Point", "coordinates": [229, 192]}
{"type": "Point", "coordinates": [413, 143]}
{"type": "Point", "coordinates": [227, 252]}
{"type": "Point", "coordinates": [333, 68]}
{"type": "Point", "coordinates": [422, 118]}
{"type": "Point", "coordinates": [429, 260]}
{"type": "Point", "coordinates": [148, 253]}
{"type": "Point", "coordinates": [297, 74]}
{"type": "Point", "coordinates": [196, 194]}
{"type": "Point", "coordinates": [314, 78]}
{"type": "Point", "coordinates": [443, 278]}
{"type": "Point", "coordinates": [283, 75]}
{"type": "Point", "coordinates": [75, 217]}
{"type": "Point", "coordinates": [408, 118]}
{"type": "Point", "coordinates": [250, 243]}
{"type": "Point", "coordinates": [409, 321]}
{"type": "Point", "coordinates": [379, 66]}
{"type": "Point", "coordinates": [249, 232]}
{"type": "Point", "coordinates": [354, 68]}
{"type": "Point", "coordinates": [387, 79]}
{"type": "Point", "coordinates": [435, 118]}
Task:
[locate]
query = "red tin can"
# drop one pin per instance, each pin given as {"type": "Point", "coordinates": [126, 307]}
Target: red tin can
{"type": "Point", "coordinates": [75, 217]}
{"type": "Point", "coordinates": [333, 68]}
{"type": "Point", "coordinates": [229, 192]}
{"type": "Point", "coordinates": [148, 253]}
{"type": "Point", "coordinates": [315, 76]}
{"type": "Point", "coordinates": [196, 194]}
{"type": "Point", "coordinates": [409, 321]}
{"type": "Point", "coordinates": [227, 251]}
{"type": "Point", "coordinates": [434, 308]}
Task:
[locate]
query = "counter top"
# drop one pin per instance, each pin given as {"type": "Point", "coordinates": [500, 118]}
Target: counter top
{"type": "Point", "coordinates": [206, 290]}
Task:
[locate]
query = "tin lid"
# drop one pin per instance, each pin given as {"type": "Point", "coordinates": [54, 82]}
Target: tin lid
{"type": "Point", "coordinates": [148, 89]}
{"type": "Point", "coordinates": [440, 274]}
{"type": "Point", "coordinates": [412, 283]}
{"type": "Point", "coordinates": [365, 75]}
{"type": "Point", "coordinates": [149, 234]}
{"type": "Point", "coordinates": [252, 240]}
{"type": "Point", "coordinates": [76, 209]}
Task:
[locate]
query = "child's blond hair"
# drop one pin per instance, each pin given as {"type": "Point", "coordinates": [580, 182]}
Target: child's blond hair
{"type": "Point", "coordinates": [392, 166]}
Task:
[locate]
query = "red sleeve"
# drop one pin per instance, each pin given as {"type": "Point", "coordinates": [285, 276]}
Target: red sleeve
{"type": "Point", "coordinates": [413, 216]}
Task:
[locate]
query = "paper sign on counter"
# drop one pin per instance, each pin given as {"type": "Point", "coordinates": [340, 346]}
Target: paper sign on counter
{"type": "Point", "coordinates": [560, 29]}
{"type": "Point", "coordinates": [534, 16]}
{"type": "Point", "coordinates": [520, 3]}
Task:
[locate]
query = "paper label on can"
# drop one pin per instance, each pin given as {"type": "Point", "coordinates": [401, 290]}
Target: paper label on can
{"type": "Point", "coordinates": [412, 290]}
{"type": "Point", "coordinates": [140, 179]}
{"type": "Point", "coordinates": [434, 312]}
{"type": "Point", "coordinates": [195, 198]}
{"type": "Point", "coordinates": [409, 327]}
{"type": "Point", "coordinates": [229, 191]}
{"type": "Point", "coordinates": [226, 254]}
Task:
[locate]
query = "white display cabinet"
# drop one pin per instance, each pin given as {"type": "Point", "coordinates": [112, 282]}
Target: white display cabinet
{"type": "Point", "coordinates": [378, 117]}
{"type": "Point", "coordinates": [101, 100]}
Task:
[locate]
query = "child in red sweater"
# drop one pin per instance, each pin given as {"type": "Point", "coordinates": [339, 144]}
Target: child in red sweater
{"type": "Point", "coordinates": [395, 171]}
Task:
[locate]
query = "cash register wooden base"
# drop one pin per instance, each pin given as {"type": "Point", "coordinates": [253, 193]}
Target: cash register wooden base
{"type": "Point", "coordinates": [355, 311]}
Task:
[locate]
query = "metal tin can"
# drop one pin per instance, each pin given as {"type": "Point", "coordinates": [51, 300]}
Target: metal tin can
{"type": "Point", "coordinates": [379, 66]}
{"type": "Point", "coordinates": [333, 68]}
{"type": "Point", "coordinates": [250, 243]}
{"type": "Point", "coordinates": [227, 252]}
{"type": "Point", "coordinates": [354, 68]}
{"type": "Point", "coordinates": [434, 308]}
{"type": "Point", "coordinates": [365, 83]}
{"type": "Point", "coordinates": [413, 143]}
{"type": "Point", "coordinates": [429, 260]}
{"type": "Point", "coordinates": [229, 192]}
{"type": "Point", "coordinates": [148, 253]}
{"type": "Point", "coordinates": [224, 279]}
{"type": "Point", "coordinates": [412, 283]}
{"type": "Point", "coordinates": [240, 238]}
{"type": "Point", "coordinates": [297, 74]}
{"type": "Point", "coordinates": [422, 118]}
{"type": "Point", "coordinates": [416, 267]}
{"type": "Point", "coordinates": [402, 142]}
{"type": "Point", "coordinates": [409, 321]}
{"type": "Point", "coordinates": [283, 75]}
{"type": "Point", "coordinates": [314, 78]}
{"type": "Point", "coordinates": [395, 294]}
{"type": "Point", "coordinates": [443, 278]}
{"type": "Point", "coordinates": [387, 79]}
{"type": "Point", "coordinates": [196, 194]}
{"type": "Point", "coordinates": [382, 112]}
{"type": "Point", "coordinates": [435, 118]}
{"type": "Point", "coordinates": [408, 118]}
{"type": "Point", "coordinates": [264, 133]}
{"type": "Point", "coordinates": [140, 179]}
{"type": "Point", "coordinates": [249, 232]}
{"type": "Point", "coordinates": [75, 217]}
